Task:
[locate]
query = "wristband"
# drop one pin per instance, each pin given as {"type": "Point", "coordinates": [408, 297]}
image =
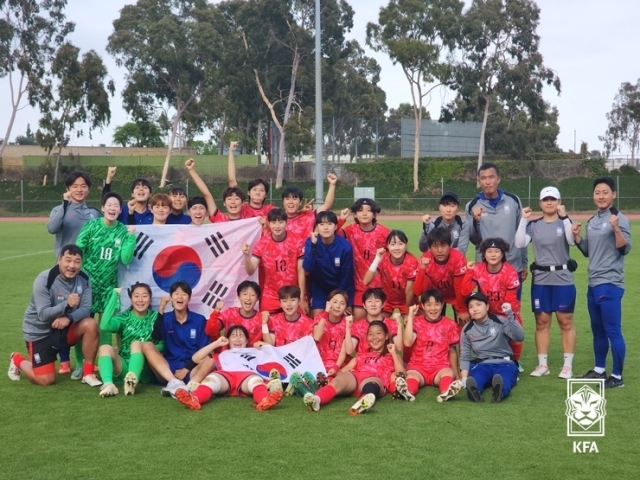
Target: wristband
{"type": "Point", "coordinates": [374, 264]}
{"type": "Point", "coordinates": [265, 328]}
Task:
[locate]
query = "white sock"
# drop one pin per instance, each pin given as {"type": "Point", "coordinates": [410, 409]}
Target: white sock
{"type": "Point", "coordinates": [616, 376]}
{"type": "Point", "coordinates": [568, 359]}
{"type": "Point", "coordinates": [542, 359]}
{"type": "Point", "coordinates": [598, 369]}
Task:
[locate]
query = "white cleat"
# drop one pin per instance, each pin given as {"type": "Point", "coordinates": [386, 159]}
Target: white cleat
{"type": "Point", "coordinates": [402, 390]}
{"type": "Point", "coordinates": [91, 380]}
{"type": "Point", "coordinates": [108, 390]}
{"type": "Point", "coordinates": [13, 372]}
{"type": "Point", "coordinates": [452, 391]}
{"type": "Point", "coordinates": [364, 404]}
{"type": "Point", "coordinates": [540, 371]}
{"type": "Point", "coordinates": [172, 386]}
{"type": "Point", "coordinates": [566, 372]}
{"type": "Point", "coordinates": [130, 383]}
{"type": "Point", "coordinates": [275, 384]}
{"type": "Point", "coordinates": [312, 401]}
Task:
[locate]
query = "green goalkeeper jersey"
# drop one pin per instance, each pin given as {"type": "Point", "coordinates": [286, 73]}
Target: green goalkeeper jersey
{"type": "Point", "coordinates": [129, 326]}
{"type": "Point", "coordinates": [103, 246]}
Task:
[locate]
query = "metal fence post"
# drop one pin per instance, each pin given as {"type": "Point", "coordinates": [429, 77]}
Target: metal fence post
{"type": "Point", "coordinates": [574, 204]}
{"type": "Point", "coordinates": [22, 197]}
{"type": "Point", "coordinates": [529, 190]}
{"type": "Point", "coordinates": [399, 207]}
{"type": "Point", "coordinates": [271, 191]}
{"type": "Point", "coordinates": [187, 188]}
{"type": "Point", "coordinates": [618, 189]}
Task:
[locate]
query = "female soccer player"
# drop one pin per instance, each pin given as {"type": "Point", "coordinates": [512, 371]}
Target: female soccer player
{"type": "Point", "coordinates": [249, 293]}
{"type": "Point", "coordinates": [552, 288]}
{"type": "Point", "coordinates": [329, 329]}
{"type": "Point", "coordinates": [160, 205]}
{"type": "Point", "coordinates": [368, 376]}
{"type": "Point", "coordinates": [134, 327]}
{"type": "Point", "coordinates": [397, 272]}
{"type": "Point", "coordinates": [232, 384]}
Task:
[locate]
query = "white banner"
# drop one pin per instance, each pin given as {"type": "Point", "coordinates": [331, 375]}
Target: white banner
{"type": "Point", "coordinates": [208, 257]}
{"type": "Point", "coordinates": [300, 356]}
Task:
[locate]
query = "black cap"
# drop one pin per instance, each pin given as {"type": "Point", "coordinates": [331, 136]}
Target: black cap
{"type": "Point", "coordinates": [450, 196]}
{"type": "Point", "coordinates": [476, 296]}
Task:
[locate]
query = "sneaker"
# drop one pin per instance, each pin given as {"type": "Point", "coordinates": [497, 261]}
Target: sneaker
{"type": "Point", "coordinates": [275, 384]}
{"type": "Point", "coordinates": [566, 372]}
{"type": "Point", "coordinates": [13, 372]}
{"type": "Point", "coordinates": [613, 382]}
{"type": "Point", "coordinates": [64, 369]}
{"type": "Point", "coordinates": [130, 383]}
{"type": "Point", "coordinates": [364, 404]}
{"type": "Point", "coordinates": [402, 390]}
{"type": "Point", "coordinates": [312, 401]}
{"type": "Point", "coordinates": [321, 380]}
{"type": "Point", "coordinates": [540, 371]}
{"type": "Point", "coordinates": [595, 375]}
{"type": "Point", "coordinates": [520, 367]}
{"type": "Point", "coordinates": [299, 385]}
{"type": "Point", "coordinates": [77, 374]}
{"type": "Point", "coordinates": [171, 387]}
{"type": "Point", "coordinates": [270, 401]}
{"type": "Point", "coordinates": [310, 381]}
{"type": "Point", "coordinates": [108, 390]}
{"type": "Point", "coordinates": [472, 390]}
{"type": "Point", "coordinates": [497, 384]}
{"type": "Point", "coordinates": [186, 398]}
{"type": "Point", "coordinates": [91, 380]}
{"type": "Point", "coordinates": [452, 391]}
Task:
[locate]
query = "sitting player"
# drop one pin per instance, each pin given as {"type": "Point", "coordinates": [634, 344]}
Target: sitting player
{"type": "Point", "coordinates": [178, 198]}
{"type": "Point", "coordinates": [138, 212]}
{"type": "Point", "coordinates": [449, 219]}
{"type": "Point", "coordinates": [434, 359]}
{"type": "Point", "coordinates": [58, 315]}
{"type": "Point", "coordinates": [232, 384]}
{"type": "Point", "coordinates": [488, 337]}
{"type": "Point", "coordinates": [134, 327]}
{"type": "Point", "coordinates": [221, 318]}
{"type": "Point", "coordinates": [368, 375]}
{"type": "Point", "coordinates": [397, 273]}
{"type": "Point", "coordinates": [328, 332]}
{"type": "Point", "coordinates": [161, 208]}
{"type": "Point", "coordinates": [291, 324]}
{"type": "Point", "coordinates": [257, 190]}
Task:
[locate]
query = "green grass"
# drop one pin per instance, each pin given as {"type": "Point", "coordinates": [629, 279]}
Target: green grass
{"type": "Point", "coordinates": [67, 431]}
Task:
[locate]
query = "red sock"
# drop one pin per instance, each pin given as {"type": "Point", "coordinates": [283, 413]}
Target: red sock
{"type": "Point", "coordinates": [259, 393]}
{"type": "Point", "coordinates": [203, 394]}
{"type": "Point", "coordinates": [517, 349]}
{"type": "Point", "coordinates": [413, 385]}
{"type": "Point", "coordinates": [326, 394]}
{"type": "Point", "coordinates": [88, 369]}
{"type": "Point", "coordinates": [445, 382]}
{"type": "Point", "coordinates": [18, 359]}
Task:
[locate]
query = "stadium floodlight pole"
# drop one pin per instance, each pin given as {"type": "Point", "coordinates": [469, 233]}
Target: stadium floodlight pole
{"type": "Point", "coordinates": [319, 154]}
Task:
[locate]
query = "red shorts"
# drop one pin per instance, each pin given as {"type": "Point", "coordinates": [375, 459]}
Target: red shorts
{"type": "Point", "coordinates": [390, 307]}
{"type": "Point", "coordinates": [357, 299]}
{"type": "Point", "coordinates": [429, 374]}
{"type": "Point", "coordinates": [360, 377]}
{"type": "Point", "coordinates": [269, 303]}
{"type": "Point", "coordinates": [235, 380]}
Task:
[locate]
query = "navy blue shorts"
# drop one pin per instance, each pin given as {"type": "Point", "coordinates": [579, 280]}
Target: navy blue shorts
{"type": "Point", "coordinates": [318, 300]}
{"type": "Point", "coordinates": [553, 298]}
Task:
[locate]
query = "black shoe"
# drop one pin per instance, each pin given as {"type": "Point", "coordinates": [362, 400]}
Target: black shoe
{"type": "Point", "coordinates": [613, 382]}
{"type": "Point", "coordinates": [496, 384]}
{"type": "Point", "coordinates": [472, 390]}
{"type": "Point", "coordinates": [594, 374]}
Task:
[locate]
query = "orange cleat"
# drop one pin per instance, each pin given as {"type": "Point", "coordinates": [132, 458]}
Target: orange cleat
{"type": "Point", "coordinates": [270, 401]}
{"type": "Point", "coordinates": [186, 398]}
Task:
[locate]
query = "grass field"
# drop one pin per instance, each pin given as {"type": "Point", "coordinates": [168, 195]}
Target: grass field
{"type": "Point", "coordinates": [67, 431]}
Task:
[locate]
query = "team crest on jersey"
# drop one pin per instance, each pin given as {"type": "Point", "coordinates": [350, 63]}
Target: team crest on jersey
{"type": "Point", "coordinates": [60, 296]}
{"type": "Point", "coordinates": [118, 242]}
{"type": "Point", "coordinates": [493, 331]}
{"type": "Point", "coordinates": [559, 232]}
{"type": "Point", "coordinates": [193, 334]}
{"type": "Point", "coordinates": [455, 234]}
{"type": "Point", "coordinates": [336, 261]}
{"type": "Point", "coordinates": [507, 209]}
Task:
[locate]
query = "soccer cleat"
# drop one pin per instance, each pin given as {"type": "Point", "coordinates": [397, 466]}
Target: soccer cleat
{"type": "Point", "coordinates": [91, 380]}
{"type": "Point", "coordinates": [364, 404]}
{"type": "Point", "coordinates": [452, 391]}
{"type": "Point", "coordinates": [130, 383]}
{"type": "Point", "coordinates": [310, 382]}
{"type": "Point", "coordinates": [497, 384]}
{"type": "Point", "coordinates": [270, 401]}
{"type": "Point", "coordinates": [191, 386]}
{"type": "Point", "coordinates": [108, 390]}
{"type": "Point", "coordinates": [613, 382]}
{"type": "Point", "coordinates": [65, 368]}
{"type": "Point", "coordinates": [290, 390]}
{"type": "Point", "coordinates": [297, 383]}
{"type": "Point", "coordinates": [13, 372]}
{"type": "Point", "coordinates": [172, 386]}
{"type": "Point", "coordinates": [472, 390]}
{"type": "Point", "coordinates": [312, 401]}
{"type": "Point", "coordinates": [274, 384]}
{"type": "Point", "coordinates": [321, 380]}
{"type": "Point", "coordinates": [592, 374]}
{"type": "Point", "coordinates": [77, 373]}
{"type": "Point", "coordinates": [520, 366]}
{"type": "Point", "coordinates": [186, 398]}
{"type": "Point", "coordinates": [540, 371]}
{"type": "Point", "coordinates": [566, 372]}
{"type": "Point", "coordinates": [402, 390]}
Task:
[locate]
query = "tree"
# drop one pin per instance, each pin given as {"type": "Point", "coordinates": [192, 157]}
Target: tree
{"type": "Point", "coordinates": [500, 61]}
{"type": "Point", "coordinates": [417, 34]}
{"type": "Point", "coordinates": [138, 134]}
{"type": "Point", "coordinates": [624, 121]}
{"type": "Point", "coordinates": [30, 32]}
{"type": "Point", "coordinates": [80, 94]}
{"type": "Point", "coordinates": [171, 49]}
{"type": "Point", "coordinates": [29, 138]}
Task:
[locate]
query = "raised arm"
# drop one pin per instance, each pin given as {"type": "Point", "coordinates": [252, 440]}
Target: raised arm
{"type": "Point", "coordinates": [331, 193]}
{"type": "Point", "coordinates": [190, 165]}
{"type": "Point", "coordinates": [231, 165]}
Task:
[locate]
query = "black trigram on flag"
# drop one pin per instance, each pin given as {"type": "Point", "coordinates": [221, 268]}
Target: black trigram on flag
{"type": "Point", "coordinates": [217, 244]}
{"type": "Point", "coordinates": [143, 242]}
{"type": "Point", "coordinates": [216, 292]}
{"type": "Point", "coordinates": [291, 360]}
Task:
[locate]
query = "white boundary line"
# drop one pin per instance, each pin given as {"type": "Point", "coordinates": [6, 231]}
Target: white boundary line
{"type": "Point", "coordinates": [26, 255]}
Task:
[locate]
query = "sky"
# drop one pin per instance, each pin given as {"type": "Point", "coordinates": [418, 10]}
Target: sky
{"type": "Point", "coordinates": [587, 43]}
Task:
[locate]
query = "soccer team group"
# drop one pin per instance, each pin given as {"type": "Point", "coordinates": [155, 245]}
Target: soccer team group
{"type": "Point", "coordinates": [377, 313]}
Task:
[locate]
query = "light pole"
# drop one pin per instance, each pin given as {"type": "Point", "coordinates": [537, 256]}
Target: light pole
{"type": "Point", "coordinates": [319, 154]}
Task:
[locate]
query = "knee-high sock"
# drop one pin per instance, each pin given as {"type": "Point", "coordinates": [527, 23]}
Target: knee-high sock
{"type": "Point", "coordinates": [136, 363]}
{"type": "Point", "coordinates": [445, 382]}
{"type": "Point", "coordinates": [203, 393]}
{"type": "Point", "coordinates": [326, 394]}
{"type": "Point", "coordinates": [105, 364]}
{"type": "Point", "coordinates": [77, 348]}
{"type": "Point", "coordinates": [259, 393]}
{"type": "Point", "coordinates": [64, 354]}
{"type": "Point", "coordinates": [413, 385]}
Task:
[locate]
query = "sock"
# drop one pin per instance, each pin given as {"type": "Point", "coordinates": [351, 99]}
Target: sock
{"type": "Point", "coordinates": [326, 394]}
{"type": "Point", "coordinates": [105, 338]}
{"type": "Point", "coordinates": [568, 359]}
{"type": "Point", "coordinates": [88, 369]}
{"type": "Point", "coordinates": [413, 385]}
{"type": "Point", "coordinates": [259, 393]}
{"type": "Point", "coordinates": [203, 393]}
{"type": "Point", "coordinates": [136, 363]}
{"type": "Point", "coordinates": [542, 359]}
{"type": "Point", "coordinates": [77, 348]}
{"type": "Point", "coordinates": [598, 369]}
{"type": "Point", "coordinates": [445, 382]}
{"type": "Point", "coordinates": [64, 354]}
{"type": "Point", "coordinates": [616, 376]}
{"type": "Point", "coordinates": [517, 350]}
{"type": "Point", "coordinates": [18, 359]}
{"type": "Point", "coordinates": [106, 368]}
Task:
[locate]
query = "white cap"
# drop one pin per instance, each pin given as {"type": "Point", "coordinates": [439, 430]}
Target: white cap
{"type": "Point", "coordinates": [549, 192]}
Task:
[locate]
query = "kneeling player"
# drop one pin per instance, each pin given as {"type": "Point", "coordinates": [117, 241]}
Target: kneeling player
{"type": "Point", "coordinates": [367, 376]}
{"type": "Point", "coordinates": [232, 384]}
{"type": "Point", "coordinates": [329, 329]}
{"type": "Point", "coordinates": [434, 358]}
{"type": "Point", "coordinates": [249, 293]}
{"type": "Point", "coordinates": [291, 324]}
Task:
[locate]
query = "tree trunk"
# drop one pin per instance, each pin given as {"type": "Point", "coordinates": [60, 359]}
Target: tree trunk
{"type": "Point", "coordinates": [259, 141]}
{"type": "Point", "coordinates": [14, 109]}
{"type": "Point", "coordinates": [482, 132]}
{"type": "Point", "coordinates": [416, 145]}
{"type": "Point", "coordinates": [174, 132]}
{"type": "Point", "coordinates": [57, 169]}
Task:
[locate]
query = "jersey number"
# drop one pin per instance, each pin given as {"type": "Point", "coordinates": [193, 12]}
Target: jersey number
{"type": "Point", "coordinates": [106, 253]}
{"type": "Point", "coordinates": [366, 254]}
{"type": "Point", "coordinates": [281, 265]}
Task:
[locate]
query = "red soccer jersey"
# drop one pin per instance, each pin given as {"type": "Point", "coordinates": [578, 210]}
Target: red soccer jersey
{"type": "Point", "coordinates": [499, 287]}
{"type": "Point", "coordinates": [394, 280]}
{"type": "Point", "coordinates": [232, 316]}
{"type": "Point", "coordinates": [302, 225]}
{"type": "Point", "coordinates": [330, 344]}
{"type": "Point", "coordinates": [279, 261]}
{"type": "Point", "coordinates": [247, 211]}
{"type": "Point", "coordinates": [360, 328]}
{"type": "Point", "coordinates": [288, 332]}
{"type": "Point", "coordinates": [365, 245]}
{"type": "Point", "coordinates": [446, 277]}
{"type": "Point", "coordinates": [376, 365]}
{"type": "Point", "coordinates": [433, 340]}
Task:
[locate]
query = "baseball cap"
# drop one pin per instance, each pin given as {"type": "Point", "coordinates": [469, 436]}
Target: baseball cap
{"type": "Point", "coordinates": [450, 196]}
{"type": "Point", "coordinates": [550, 192]}
{"type": "Point", "coordinates": [476, 296]}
